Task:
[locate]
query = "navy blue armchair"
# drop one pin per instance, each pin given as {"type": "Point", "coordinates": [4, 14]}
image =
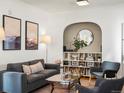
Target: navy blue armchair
{"type": "Point", "coordinates": [103, 86]}
{"type": "Point", "coordinates": [106, 70]}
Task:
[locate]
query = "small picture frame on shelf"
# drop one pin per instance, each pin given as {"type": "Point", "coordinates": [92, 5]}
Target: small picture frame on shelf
{"type": "Point", "coordinates": [75, 63]}
{"type": "Point", "coordinates": [90, 64]}
{"type": "Point", "coordinates": [82, 64]}
{"type": "Point", "coordinates": [74, 56]}
{"type": "Point", "coordinates": [89, 58]}
{"type": "Point", "coordinates": [99, 58]}
{"type": "Point", "coordinates": [82, 57]}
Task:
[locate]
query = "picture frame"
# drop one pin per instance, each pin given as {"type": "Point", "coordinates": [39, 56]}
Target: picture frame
{"type": "Point", "coordinates": [31, 35]}
{"type": "Point", "coordinates": [12, 27]}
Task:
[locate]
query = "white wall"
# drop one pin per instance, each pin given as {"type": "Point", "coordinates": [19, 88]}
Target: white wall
{"type": "Point", "coordinates": [109, 18]}
{"type": "Point", "coordinates": [18, 9]}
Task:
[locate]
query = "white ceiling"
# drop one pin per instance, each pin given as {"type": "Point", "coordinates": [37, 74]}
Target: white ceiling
{"type": "Point", "coordinates": [68, 5]}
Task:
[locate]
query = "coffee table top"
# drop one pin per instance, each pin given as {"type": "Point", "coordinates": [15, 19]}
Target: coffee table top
{"type": "Point", "coordinates": [61, 78]}
{"type": "Point", "coordinates": [56, 78]}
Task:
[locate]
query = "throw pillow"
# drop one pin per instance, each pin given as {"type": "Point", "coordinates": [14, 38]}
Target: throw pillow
{"type": "Point", "coordinates": [26, 69]}
{"type": "Point", "coordinates": [36, 67]}
{"type": "Point", "coordinates": [57, 61]}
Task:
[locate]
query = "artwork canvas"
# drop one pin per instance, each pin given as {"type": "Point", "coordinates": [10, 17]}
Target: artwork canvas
{"type": "Point", "coordinates": [31, 38]}
{"type": "Point", "coordinates": [12, 27]}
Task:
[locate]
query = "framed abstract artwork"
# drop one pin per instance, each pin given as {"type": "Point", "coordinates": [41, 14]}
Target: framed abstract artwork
{"type": "Point", "coordinates": [12, 27]}
{"type": "Point", "coordinates": [31, 35]}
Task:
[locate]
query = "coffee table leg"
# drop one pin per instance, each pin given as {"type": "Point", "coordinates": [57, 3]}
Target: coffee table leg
{"type": "Point", "coordinates": [52, 84]}
{"type": "Point", "coordinates": [69, 87]}
{"type": "Point", "coordinates": [79, 80]}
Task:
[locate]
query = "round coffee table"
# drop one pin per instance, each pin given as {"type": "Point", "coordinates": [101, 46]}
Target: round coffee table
{"type": "Point", "coordinates": [63, 80]}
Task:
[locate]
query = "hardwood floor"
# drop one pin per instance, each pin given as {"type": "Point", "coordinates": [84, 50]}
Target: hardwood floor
{"type": "Point", "coordinates": [84, 82]}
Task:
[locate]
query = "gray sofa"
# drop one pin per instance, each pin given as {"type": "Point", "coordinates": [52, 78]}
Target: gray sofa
{"type": "Point", "coordinates": [14, 80]}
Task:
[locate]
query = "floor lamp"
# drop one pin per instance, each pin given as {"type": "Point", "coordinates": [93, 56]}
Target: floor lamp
{"type": "Point", "coordinates": [122, 50]}
{"type": "Point", "coordinates": [45, 39]}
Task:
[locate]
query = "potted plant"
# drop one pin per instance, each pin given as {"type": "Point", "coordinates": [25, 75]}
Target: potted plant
{"type": "Point", "coordinates": [79, 44]}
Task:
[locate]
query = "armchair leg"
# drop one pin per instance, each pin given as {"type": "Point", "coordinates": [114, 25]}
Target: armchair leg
{"type": "Point", "coordinates": [116, 76]}
{"type": "Point", "coordinates": [105, 76]}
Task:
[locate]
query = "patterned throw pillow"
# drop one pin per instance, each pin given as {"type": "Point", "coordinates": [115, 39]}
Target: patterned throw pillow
{"type": "Point", "coordinates": [36, 67]}
{"type": "Point", "coordinates": [29, 69]}
{"type": "Point", "coordinates": [26, 69]}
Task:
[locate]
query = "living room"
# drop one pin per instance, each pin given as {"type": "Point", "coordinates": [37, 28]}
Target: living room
{"type": "Point", "coordinates": [53, 18]}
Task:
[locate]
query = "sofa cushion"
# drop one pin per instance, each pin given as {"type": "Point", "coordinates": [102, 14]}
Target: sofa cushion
{"type": "Point", "coordinates": [36, 67]}
{"type": "Point", "coordinates": [26, 69]}
{"type": "Point", "coordinates": [16, 66]}
{"type": "Point", "coordinates": [48, 72]}
{"type": "Point", "coordinates": [36, 61]}
{"type": "Point", "coordinates": [34, 77]}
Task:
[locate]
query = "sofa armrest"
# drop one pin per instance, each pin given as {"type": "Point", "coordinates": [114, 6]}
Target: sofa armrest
{"type": "Point", "coordinates": [1, 79]}
{"type": "Point", "coordinates": [14, 82]}
{"type": "Point", "coordinates": [52, 66]}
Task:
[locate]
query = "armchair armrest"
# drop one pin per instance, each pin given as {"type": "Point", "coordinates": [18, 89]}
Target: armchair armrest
{"type": "Point", "coordinates": [14, 82]}
{"type": "Point", "coordinates": [110, 73]}
{"type": "Point", "coordinates": [98, 81]}
{"type": "Point", "coordinates": [52, 66]}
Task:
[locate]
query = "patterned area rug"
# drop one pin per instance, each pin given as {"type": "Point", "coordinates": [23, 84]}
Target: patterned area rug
{"type": "Point", "coordinates": [47, 89]}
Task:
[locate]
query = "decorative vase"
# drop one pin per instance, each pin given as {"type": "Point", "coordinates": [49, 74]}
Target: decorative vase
{"type": "Point", "coordinates": [75, 50]}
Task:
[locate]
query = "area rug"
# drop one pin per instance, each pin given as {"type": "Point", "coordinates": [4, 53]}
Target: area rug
{"type": "Point", "coordinates": [47, 89]}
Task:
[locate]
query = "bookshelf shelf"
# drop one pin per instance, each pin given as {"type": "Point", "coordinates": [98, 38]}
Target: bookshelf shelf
{"type": "Point", "coordinates": [80, 63]}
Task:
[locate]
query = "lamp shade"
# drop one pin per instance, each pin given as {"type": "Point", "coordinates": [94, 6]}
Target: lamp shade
{"type": "Point", "coordinates": [45, 39]}
{"type": "Point", "coordinates": [2, 34]}
{"type": "Point", "coordinates": [82, 2]}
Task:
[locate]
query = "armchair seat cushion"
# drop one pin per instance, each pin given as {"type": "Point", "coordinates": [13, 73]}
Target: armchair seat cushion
{"type": "Point", "coordinates": [98, 74]}
{"type": "Point", "coordinates": [34, 77]}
